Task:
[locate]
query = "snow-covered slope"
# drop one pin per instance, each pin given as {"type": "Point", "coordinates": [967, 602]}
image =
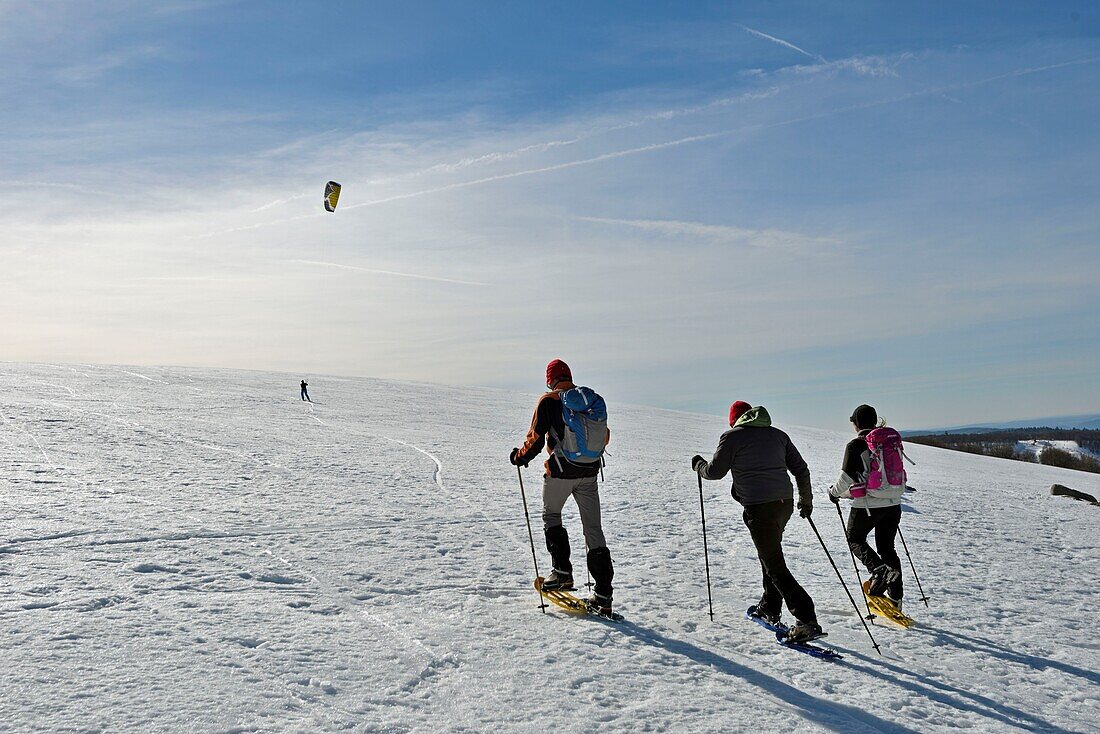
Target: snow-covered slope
{"type": "Point", "coordinates": [1034, 449]}
{"type": "Point", "coordinates": [201, 551]}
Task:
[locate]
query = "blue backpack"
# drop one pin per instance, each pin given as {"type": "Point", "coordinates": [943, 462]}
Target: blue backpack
{"type": "Point", "coordinates": [586, 433]}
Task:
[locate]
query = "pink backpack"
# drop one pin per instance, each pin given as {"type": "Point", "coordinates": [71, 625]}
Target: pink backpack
{"type": "Point", "coordinates": [885, 470]}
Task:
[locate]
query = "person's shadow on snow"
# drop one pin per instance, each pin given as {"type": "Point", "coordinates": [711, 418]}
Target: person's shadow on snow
{"type": "Point", "coordinates": [953, 696]}
{"type": "Point", "coordinates": [989, 647]}
{"type": "Point", "coordinates": [838, 717]}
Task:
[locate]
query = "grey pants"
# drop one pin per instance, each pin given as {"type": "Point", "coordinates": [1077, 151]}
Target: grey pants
{"type": "Point", "coordinates": [586, 492]}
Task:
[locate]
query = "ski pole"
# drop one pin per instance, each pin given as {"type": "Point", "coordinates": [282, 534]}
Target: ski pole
{"type": "Point", "coordinates": [850, 597]}
{"type": "Point", "coordinates": [706, 553]}
{"type": "Point", "coordinates": [851, 552]}
{"type": "Point", "coordinates": [923, 596]}
{"type": "Point", "coordinates": [531, 537]}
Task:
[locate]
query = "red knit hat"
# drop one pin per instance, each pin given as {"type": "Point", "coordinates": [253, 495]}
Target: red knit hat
{"type": "Point", "coordinates": [557, 371]}
{"type": "Point", "coordinates": [737, 410]}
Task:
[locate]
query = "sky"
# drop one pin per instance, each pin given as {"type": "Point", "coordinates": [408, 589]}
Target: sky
{"type": "Point", "coordinates": [804, 205]}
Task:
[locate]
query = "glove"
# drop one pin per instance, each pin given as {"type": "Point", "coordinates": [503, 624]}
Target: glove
{"type": "Point", "coordinates": [696, 462]}
{"type": "Point", "coordinates": [513, 459]}
{"type": "Point", "coordinates": [805, 508]}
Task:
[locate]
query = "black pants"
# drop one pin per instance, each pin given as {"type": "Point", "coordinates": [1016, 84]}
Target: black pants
{"type": "Point", "coordinates": [884, 521]}
{"type": "Point", "coordinates": [766, 523]}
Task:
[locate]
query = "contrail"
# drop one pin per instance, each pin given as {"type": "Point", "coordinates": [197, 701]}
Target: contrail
{"type": "Point", "coordinates": [384, 272]}
{"type": "Point", "coordinates": [556, 166]}
{"type": "Point", "coordinates": [279, 202]}
{"type": "Point", "coordinates": [780, 41]}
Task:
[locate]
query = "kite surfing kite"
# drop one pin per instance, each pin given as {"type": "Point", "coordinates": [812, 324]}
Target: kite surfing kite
{"type": "Point", "coordinates": [332, 196]}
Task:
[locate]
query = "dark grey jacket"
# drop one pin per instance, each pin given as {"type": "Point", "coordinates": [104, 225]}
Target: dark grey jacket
{"type": "Point", "coordinates": [759, 457]}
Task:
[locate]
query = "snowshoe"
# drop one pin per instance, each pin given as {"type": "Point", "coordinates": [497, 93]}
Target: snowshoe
{"type": "Point", "coordinates": [896, 602]}
{"type": "Point", "coordinates": [598, 606]}
{"type": "Point", "coordinates": [886, 608]}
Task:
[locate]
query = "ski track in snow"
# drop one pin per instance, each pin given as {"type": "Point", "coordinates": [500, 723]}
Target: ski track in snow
{"type": "Point", "coordinates": [438, 479]}
{"type": "Point", "coordinates": [226, 561]}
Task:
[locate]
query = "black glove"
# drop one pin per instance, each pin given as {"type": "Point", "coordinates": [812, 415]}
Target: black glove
{"type": "Point", "coordinates": [513, 458]}
{"type": "Point", "coordinates": [805, 508]}
{"type": "Point", "coordinates": [696, 462]}
{"type": "Point", "coordinates": [834, 500]}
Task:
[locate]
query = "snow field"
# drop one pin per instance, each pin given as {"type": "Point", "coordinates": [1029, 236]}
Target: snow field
{"type": "Point", "coordinates": [186, 550]}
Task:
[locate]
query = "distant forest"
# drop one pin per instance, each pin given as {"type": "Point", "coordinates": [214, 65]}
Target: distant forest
{"type": "Point", "coordinates": [1002, 444]}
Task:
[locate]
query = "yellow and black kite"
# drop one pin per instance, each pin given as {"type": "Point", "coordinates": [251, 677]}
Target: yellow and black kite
{"type": "Point", "coordinates": [332, 195]}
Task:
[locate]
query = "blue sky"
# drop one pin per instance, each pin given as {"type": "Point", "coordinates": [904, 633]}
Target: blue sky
{"type": "Point", "coordinates": [806, 205]}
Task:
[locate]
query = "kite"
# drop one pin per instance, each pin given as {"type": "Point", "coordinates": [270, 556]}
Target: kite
{"type": "Point", "coordinates": [332, 196]}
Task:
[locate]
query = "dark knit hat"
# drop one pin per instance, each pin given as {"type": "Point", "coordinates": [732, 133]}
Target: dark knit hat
{"type": "Point", "coordinates": [864, 417]}
{"type": "Point", "coordinates": [737, 410]}
{"type": "Point", "coordinates": [557, 371]}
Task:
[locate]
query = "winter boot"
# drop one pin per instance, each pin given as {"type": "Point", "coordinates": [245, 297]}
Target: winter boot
{"type": "Point", "coordinates": [766, 615]}
{"type": "Point", "coordinates": [599, 604]}
{"type": "Point", "coordinates": [804, 632]}
{"type": "Point", "coordinates": [882, 578]}
{"type": "Point", "coordinates": [603, 572]}
{"type": "Point", "coordinates": [558, 581]}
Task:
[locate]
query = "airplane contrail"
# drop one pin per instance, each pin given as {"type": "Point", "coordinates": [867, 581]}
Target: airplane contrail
{"type": "Point", "coordinates": [780, 41]}
{"type": "Point", "coordinates": [376, 271]}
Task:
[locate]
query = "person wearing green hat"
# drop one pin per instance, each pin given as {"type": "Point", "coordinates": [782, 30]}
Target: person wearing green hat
{"type": "Point", "coordinates": [761, 458]}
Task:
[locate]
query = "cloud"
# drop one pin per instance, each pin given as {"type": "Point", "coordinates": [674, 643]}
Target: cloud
{"type": "Point", "coordinates": [870, 66]}
{"type": "Point", "coordinates": [762, 238]}
{"type": "Point", "coordinates": [376, 271]}
{"type": "Point", "coordinates": [93, 69]}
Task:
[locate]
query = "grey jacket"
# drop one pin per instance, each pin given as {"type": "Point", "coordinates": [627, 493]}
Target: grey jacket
{"type": "Point", "coordinates": [759, 455]}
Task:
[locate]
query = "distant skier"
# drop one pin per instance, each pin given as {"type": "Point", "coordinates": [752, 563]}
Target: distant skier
{"type": "Point", "coordinates": [305, 393]}
{"type": "Point", "coordinates": [876, 510]}
{"type": "Point", "coordinates": [565, 478]}
{"type": "Point", "coordinates": [760, 457]}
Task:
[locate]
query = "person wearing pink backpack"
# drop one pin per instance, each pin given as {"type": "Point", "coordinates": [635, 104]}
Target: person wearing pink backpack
{"type": "Point", "coordinates": [873, 477]}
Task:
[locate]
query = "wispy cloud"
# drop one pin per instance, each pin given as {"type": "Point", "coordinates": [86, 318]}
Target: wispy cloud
{"type": "Point", "coordinates": [871, 66]}
{"type": "Point", "coordinates": [763, 238]}
{"type": "Point", "coordinates": [376, 271]}
{"type": "Point", "coordinates": [93, 69]}
{"type": "Point", "coordinates": [280, 202]}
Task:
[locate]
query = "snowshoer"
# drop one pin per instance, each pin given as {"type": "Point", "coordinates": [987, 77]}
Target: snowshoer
{"type": "Point", "coordinates": [565, 478]}
{"type": "Point", "coordinates": [305, 394]}
{"type": "Point", "coordinates": [760, 457]}
{"type": "Point", "coordinates": [871, 510]}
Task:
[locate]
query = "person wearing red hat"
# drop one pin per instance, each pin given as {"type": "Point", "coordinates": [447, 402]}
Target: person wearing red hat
{"type": "Point", "coordinates": [761, 458]}
{"type": "Point", "coordinates": [564, 479]}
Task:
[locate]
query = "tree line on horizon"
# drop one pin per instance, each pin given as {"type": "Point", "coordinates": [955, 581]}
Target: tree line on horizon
{"type": "Point", "coordinates": [1001, 444]}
